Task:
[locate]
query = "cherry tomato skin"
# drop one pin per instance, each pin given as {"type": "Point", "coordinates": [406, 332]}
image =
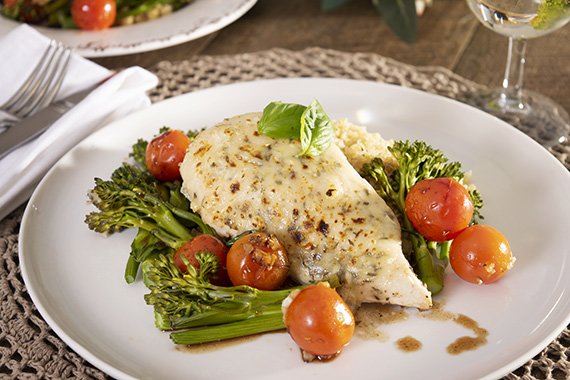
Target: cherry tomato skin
{"type": "Point", "coordinates": [319, 321]}
{"type": "Point", "coordinates": [480, 255]}
{"type": "Point", "coordinates": [93, 14]}
{"type": "Point", "coordinates": [165, 153]}
{"type": "Point", "coordinates": [202, 243]}
{"type": "Point", "coordinates": [439, 208]}
{"type": "Point", "coordinates": [258, 260]}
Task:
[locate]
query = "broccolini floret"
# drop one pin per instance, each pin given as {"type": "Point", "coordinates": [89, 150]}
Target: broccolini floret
{"type": "Point", "coordinates": [138, 153]}
{"type": "Point", "coordinates": [132, 198]}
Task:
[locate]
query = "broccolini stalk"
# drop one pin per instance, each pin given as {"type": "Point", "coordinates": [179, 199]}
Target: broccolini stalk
{"type": "Point", "coordinates": [265, 322]}
{"type": "Point", "coordinates": [188, 301]}
{"type": "Point", "coordinates": [144, 246]}
{"type": "Point", "coordinates": [418, 161]}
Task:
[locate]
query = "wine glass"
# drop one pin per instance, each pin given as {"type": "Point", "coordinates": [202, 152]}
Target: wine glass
{"type": "Point", "coordinates": [538, 116]}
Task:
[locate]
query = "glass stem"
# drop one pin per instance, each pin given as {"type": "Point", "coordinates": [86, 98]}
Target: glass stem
{"type": "Point", "coordinates": [511, 93]}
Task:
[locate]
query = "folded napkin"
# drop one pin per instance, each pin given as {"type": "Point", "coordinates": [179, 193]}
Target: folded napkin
{"type": "Point", "coordinates": [123, 93]}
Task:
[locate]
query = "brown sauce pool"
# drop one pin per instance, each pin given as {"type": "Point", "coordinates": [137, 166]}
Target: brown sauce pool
{"type": "Point", "coordinates": [370, 318]}
{"type": "Point", "coordinates": [408, 344]}
{"type": "Point", "coordinates": [467, 343]}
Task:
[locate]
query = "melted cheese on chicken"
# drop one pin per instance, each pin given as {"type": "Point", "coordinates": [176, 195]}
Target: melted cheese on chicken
{"type": "Point", "coordinates": [329, 218]}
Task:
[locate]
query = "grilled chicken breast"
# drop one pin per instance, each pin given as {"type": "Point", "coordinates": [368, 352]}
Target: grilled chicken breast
{"type": "Point", "coordinates": [328, 217]}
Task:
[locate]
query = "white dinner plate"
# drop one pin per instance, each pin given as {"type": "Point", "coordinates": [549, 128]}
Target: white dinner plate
{"type": "Point", "coordinates": [75, 276]}
{"type": "Point", "coordinates": [196, 20]}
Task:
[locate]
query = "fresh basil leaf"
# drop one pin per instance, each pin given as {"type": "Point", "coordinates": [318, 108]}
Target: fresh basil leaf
{"type": "Point", "coordinates": [316, 130]}
{"type": "Point", "coordinates": [281, 120]}
{"type": "Point", "coordinates": [400, 15]}
{"type": "Point", "coordinates": [329, 5]}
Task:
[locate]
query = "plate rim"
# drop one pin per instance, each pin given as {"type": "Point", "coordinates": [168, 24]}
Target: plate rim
{"type": "Point", "coordinates": [96, 361]}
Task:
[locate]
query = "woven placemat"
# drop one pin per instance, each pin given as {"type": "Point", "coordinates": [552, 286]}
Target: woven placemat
{"type": "Point", "coordinates": [30, 349]}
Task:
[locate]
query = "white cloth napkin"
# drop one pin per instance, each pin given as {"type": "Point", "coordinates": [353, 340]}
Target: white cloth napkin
{"type": "Point", "coordinates": [125, 92]}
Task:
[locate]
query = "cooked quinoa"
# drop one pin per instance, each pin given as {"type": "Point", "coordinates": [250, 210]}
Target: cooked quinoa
{"type": "Point", "coordinates": [361, 146]}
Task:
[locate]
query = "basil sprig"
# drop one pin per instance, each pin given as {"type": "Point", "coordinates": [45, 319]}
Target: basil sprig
{"type": "Point", "coordinates": [311, 125]}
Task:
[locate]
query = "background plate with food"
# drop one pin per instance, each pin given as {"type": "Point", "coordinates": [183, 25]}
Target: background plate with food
{"type": "Point", "coordinates": [194, 20]}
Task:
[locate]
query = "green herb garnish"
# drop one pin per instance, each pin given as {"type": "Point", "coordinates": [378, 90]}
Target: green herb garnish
{"type": "Point", "coordinates": [310, 125]}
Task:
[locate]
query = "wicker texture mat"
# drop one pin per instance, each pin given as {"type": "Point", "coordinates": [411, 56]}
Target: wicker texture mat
{"type": "Point", "coordinates": [29, 349]}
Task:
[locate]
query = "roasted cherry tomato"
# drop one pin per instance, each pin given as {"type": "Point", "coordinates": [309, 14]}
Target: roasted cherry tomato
{"type": "Point", "coordinates": [204, 243]}
{"type": "Point", "coordinates": [439, 208]}
{"type": "Point", "coordinates": [480, 254]}
{"type": "Point", "coordinates": [319, 321]}
{"type": "Point", "coordinates": [165, 153]}
{"type": "Point", "coordinates": [258, 260]}
{"type": "Point", "coordinates": [93, 14]}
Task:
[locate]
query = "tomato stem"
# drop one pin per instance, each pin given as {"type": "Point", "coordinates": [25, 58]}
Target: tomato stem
{"type": "Point", "coordinates": [443, 253]}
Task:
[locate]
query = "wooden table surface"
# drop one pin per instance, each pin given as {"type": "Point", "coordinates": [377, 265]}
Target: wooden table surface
{"type": "Point", "coordinates": [449, 36]}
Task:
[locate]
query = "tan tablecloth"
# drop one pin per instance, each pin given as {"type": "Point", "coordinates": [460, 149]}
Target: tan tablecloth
{"type": "Point", "coordinates": [30, 349]}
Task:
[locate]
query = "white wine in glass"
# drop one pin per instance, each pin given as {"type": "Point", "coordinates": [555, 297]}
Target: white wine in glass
{"type": "Point", "coordinates": [540, 117]}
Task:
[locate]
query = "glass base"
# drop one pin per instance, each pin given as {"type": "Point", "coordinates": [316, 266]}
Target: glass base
{"type": "Point", "coordinates": [536, 115]}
